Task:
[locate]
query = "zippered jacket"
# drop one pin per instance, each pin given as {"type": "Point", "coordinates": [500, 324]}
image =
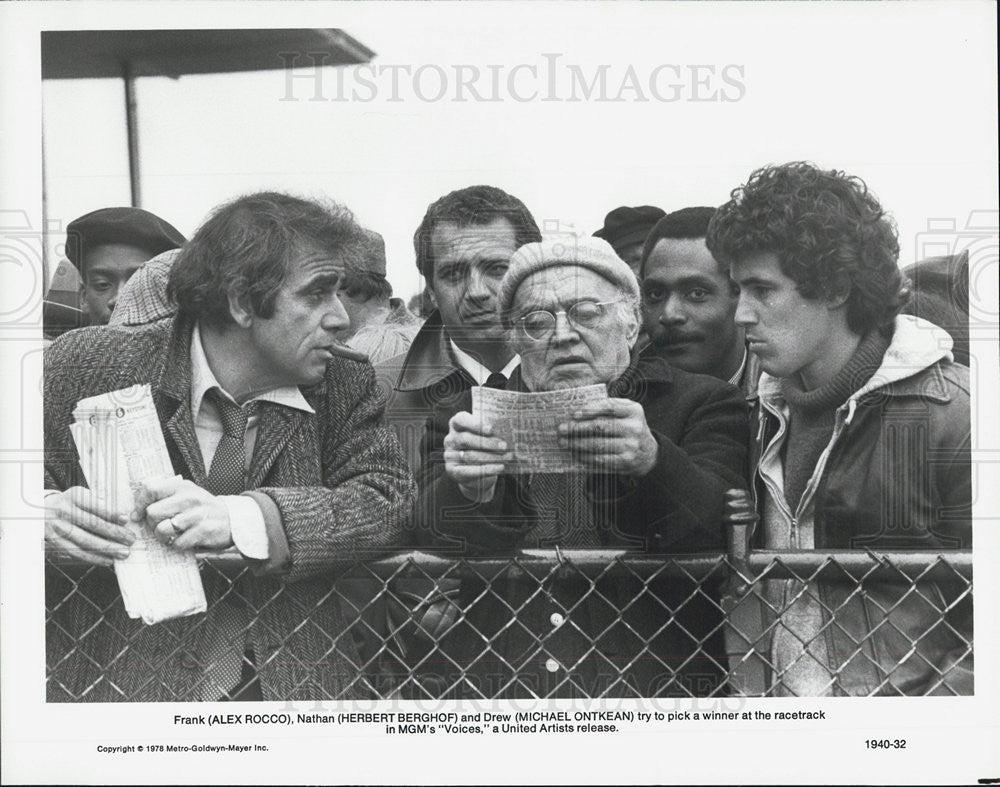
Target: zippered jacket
{"type": "Point", "coordinates": [894, 476]}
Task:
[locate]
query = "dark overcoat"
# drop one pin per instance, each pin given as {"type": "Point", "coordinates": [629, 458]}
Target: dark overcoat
{"type": "Point", "coordinates": [621, 635]}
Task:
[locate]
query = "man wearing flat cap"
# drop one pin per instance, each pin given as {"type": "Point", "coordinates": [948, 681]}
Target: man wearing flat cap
{"type": "Point", "coordinates": [661, 451]}
{"type": "Point", "coordinates": [626, 229]}
{"type": "Point", "coordinates": [108, 246]}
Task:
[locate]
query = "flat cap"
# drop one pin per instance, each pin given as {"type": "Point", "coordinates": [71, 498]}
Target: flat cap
{"type": "Point", "coordinates": [132, 226]}
{"type": "Point", "coordinates": [591, 253]}
{"type": "Point", "coordinates": [142, 300]}
{"type": "Point", "coordinates": [626, 226]}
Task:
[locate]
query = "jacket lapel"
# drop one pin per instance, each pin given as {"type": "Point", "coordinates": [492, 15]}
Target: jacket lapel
{"type": "Point", "coordinates": [180, 428]}
{"type": "Point", "coordinates": [277, 425]}
{"type": "Point", "coordinates": [428, 360]}
{"type": "Point", "coordinates": [172, 395]}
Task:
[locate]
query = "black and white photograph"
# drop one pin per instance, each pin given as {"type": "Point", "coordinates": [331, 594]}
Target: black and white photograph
{"type": "Point", "coordinates": [596, 391]}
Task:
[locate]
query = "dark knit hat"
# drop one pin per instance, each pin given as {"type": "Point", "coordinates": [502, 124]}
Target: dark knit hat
{"type": "Point", "coordinates": [627, 226]}
{"type": "Point", "coordinates": [132, 226]}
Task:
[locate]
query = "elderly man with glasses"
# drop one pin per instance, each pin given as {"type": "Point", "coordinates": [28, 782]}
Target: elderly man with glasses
{"type": "Point", "coordinates": [660, 453]}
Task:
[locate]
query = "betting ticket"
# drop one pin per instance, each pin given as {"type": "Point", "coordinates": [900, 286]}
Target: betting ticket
{"type": "Point", "coordinates": [528, 423]}
{"type": "Point", "coordinates": [118, 437]}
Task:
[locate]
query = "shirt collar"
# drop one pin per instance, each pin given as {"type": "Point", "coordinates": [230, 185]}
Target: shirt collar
{"type": "Point", "coordinates": [203, 380]}
{"type": "Point", "coordinates": [476, 370]}
{"type": "Point", "coordinates": [736, 378]}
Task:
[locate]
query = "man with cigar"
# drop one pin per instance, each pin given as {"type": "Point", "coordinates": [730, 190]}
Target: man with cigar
{"type": "Point", "coordinates": [281, 455]}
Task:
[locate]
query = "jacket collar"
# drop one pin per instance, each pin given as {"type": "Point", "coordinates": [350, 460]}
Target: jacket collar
{"type": "Point", "coordinates": [172, 395]}
{"type": "Point", "coordinates": [428, 360]}
{"type": "Point", "coordinates": [174, 378]}
{"type": "Point", "coordinates": [916, 345]}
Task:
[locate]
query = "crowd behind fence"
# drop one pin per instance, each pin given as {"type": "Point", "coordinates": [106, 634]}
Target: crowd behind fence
{"type": "Point", "coordinates": [882, 615]}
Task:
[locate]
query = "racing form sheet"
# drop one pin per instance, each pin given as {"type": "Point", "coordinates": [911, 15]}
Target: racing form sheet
{"type": "Point", "coordinates": [528, 423]}
{"type": "Point", "coordinates": [118, 437]}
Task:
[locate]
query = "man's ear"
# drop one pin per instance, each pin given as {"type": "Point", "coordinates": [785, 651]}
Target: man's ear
{"type": "Point", "coordinates": [81, 301]}
{"type": "Point", "coordinates": [632, 327]}
{"type": "Point", "coordinates": [240, 309]}
{"type": "Point", "coordinates": [839, 291]}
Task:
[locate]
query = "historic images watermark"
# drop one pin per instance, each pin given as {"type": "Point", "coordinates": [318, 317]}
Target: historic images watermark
{"type": "Point", "coordinates": [978, 240]}
{"type": "Point", "coordinates": [548, 79]}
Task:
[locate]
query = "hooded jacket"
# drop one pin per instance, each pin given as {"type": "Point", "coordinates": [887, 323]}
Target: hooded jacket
{"type": "Point", "coordinates": [895, 475]}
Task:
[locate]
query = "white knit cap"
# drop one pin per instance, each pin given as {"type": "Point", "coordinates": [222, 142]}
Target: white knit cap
{"type": "Point", "coordinates": [587, 252]}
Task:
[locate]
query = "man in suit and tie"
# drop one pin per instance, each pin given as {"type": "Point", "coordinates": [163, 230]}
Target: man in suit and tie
{"type": "Point", "coordinates": [463, 246]}
{"type": "Point", "coordinates": [281, 454]}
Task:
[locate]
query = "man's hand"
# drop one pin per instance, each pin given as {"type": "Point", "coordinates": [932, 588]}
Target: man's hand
{"type": "Point", "coordinates": [473, 458]}
{"type": "Point", "coordinates": [184, 515]}
{"type": "Point", "coordinates": [80, 526]}
{"type": "Point", "coordinates": [611, 437]}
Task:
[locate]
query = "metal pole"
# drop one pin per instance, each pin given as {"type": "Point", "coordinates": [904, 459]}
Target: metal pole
{"type": "Point", "coordinates": [132, 129]}
{"type": "Point", "coordinates": [46, 272]}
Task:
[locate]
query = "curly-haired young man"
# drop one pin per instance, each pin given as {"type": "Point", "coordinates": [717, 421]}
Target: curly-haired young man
{"type": "Point", "coordinates": [862, 433]}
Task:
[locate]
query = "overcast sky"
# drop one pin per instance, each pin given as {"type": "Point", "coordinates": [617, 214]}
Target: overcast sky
{"type": "Point", "coordinates": [895, 93]}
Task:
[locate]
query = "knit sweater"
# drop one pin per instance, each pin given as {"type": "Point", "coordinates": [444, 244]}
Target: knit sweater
{"type": "Point", "coordinates": [811, 413]}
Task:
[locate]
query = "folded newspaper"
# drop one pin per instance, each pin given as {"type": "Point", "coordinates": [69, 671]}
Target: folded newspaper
{"type": "Point", "coordinates": [118, 437]}
{"type": "Point", "coordinates": [528, 423]}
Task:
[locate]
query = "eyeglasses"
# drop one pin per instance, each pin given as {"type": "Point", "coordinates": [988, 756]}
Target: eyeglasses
{"type": "Point", "coordinates": [539, 325]}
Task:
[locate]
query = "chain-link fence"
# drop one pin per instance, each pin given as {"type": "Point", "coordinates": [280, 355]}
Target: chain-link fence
{"type": "Point", "coordinates": [584, 623]}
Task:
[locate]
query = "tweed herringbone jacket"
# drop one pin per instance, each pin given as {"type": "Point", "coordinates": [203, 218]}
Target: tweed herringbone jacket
{"type": "Point", "coordinates": [337, 478]}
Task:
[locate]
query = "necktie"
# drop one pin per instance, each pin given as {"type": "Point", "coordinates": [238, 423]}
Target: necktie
{"type": "Point", "coordinates": [227, 475]}
{"type": "Point", "coordinates": [496, 380]}
{"type": "Point", "coordinates": [230, 670]}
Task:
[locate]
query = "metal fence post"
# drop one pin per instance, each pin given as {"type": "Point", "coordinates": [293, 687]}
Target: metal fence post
{"type": "Point", "coordinates": [744, 615]}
